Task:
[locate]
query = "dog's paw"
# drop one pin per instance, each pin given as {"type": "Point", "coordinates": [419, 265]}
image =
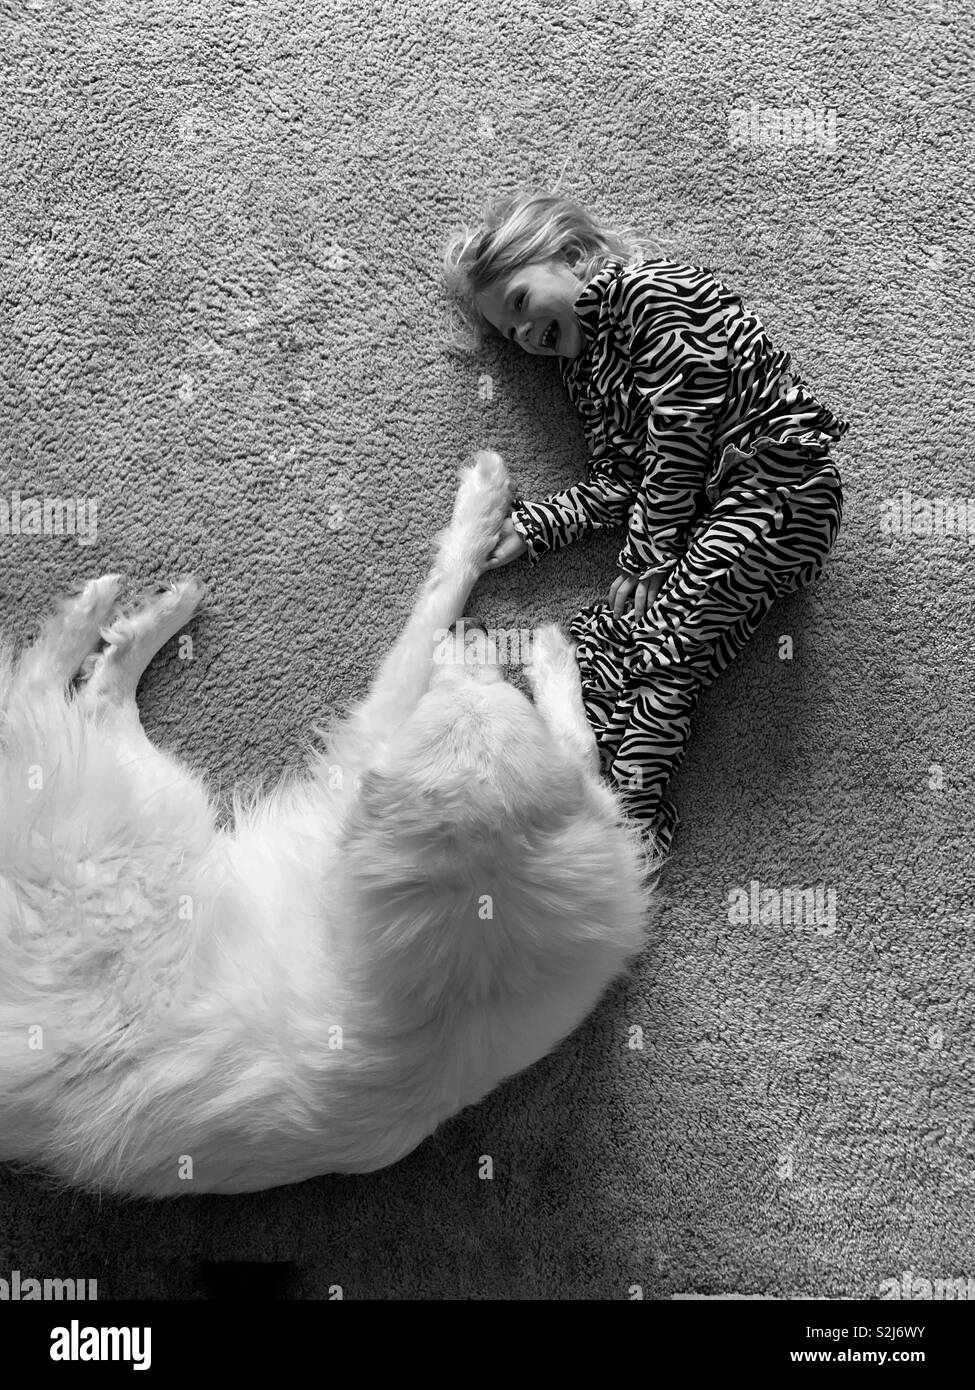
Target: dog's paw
{"type": "Point", "coordinates": [552, 653]}
{"type": "Point", "coordinates": [91, 600]}
{"type": "Point", "coordinates": [160, 605]}
{"type": "Point", "coordinates": [491, 469]}
{"type": "Point", "coordinates": [71, 633]}
{"type": "Point", "coordinates": [482, 503]}
{"type": "Point", "coordinates": [487, 478]}
{"type": "Point", "coordinates": [185, 594]}
{"type": "Point", "coordinates": [97, 593]}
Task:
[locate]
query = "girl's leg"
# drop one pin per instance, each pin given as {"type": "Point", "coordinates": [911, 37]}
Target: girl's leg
{"type": "Point", "coordinates": [742, 558]}
{"type": "Point", "coordinates": [730, 642]}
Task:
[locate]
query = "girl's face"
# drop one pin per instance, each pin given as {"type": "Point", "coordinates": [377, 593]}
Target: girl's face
{"type": "Point", "coordinates": [534, 307]}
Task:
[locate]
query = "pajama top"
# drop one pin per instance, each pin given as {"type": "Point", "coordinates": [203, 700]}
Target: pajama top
{"type": "Point", "coordinates": [677, 379]}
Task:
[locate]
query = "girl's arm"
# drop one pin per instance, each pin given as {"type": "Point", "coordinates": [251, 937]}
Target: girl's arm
{"type": "Point", "coordinates": [604, 500]}
{"type": "Point", "coordinates": [678, 353]}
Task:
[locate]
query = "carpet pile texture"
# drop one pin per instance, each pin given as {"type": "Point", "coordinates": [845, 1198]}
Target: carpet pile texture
{"type": "Point", "coordinates": [220, 325]}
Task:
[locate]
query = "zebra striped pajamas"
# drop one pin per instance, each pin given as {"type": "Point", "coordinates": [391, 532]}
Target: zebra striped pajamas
{"type": "Point", "coordinates": [716, 459]}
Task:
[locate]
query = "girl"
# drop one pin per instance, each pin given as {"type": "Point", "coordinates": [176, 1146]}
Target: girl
{"type": "Point", "coordinates": [702, 443]}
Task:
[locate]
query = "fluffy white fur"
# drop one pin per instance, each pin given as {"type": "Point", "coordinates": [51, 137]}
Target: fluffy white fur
{"type": "Point", "coordinates": [439, 901]}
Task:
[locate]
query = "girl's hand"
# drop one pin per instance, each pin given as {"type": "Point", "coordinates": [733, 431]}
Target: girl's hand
{"type": "Point", "coordinates": [644, 593]}
{"type": "Point", "coordinates": [509, 545]}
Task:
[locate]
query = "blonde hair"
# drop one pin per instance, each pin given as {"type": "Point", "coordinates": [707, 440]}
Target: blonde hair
{"type": "Point", "coordinates": [517, 230]}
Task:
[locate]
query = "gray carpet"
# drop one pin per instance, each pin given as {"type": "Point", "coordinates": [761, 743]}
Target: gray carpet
{"type": "Point", "coordinates": [220, 314]}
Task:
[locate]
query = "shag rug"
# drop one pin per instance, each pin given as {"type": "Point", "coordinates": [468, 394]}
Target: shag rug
{"type": "Point", "coordinates": [221, 333]}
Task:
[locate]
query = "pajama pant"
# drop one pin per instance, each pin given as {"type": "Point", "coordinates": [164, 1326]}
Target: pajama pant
{"type": "Point", "coordinates": [768, 532]}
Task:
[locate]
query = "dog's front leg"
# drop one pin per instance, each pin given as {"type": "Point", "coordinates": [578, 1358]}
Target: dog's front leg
{"type": "Point", "coordinates": [482, 502]}
{"type": "Point", "coordinates": [556, 686]}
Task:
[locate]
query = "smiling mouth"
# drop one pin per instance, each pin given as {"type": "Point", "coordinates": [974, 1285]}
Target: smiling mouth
{"type": "Point", "coordinates": [550, 337]}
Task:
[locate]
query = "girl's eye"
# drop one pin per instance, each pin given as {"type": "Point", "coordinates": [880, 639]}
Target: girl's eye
{"type": "Point", "coordinates": [519, 302]}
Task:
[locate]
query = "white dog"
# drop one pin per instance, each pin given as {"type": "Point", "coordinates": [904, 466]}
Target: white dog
{"type": "Point", "coordinates": [440, 901]}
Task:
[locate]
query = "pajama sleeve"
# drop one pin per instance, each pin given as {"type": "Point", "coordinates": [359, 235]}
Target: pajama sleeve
{"type": "Point", "coordinates": [678, 355]}
{"type": "Point", "coordinates": [603, 500]}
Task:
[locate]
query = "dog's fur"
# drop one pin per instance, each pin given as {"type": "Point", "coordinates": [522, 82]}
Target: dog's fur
{"type": "Point", "coordinates": [440, 901]}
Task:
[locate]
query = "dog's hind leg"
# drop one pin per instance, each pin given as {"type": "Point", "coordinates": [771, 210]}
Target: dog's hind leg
{"type": "Point", "coordinates": [482, 502]}
{"type": "Point", "coordinates": [132, 640]}
{"type": "Point", "coordinates": [554, 678]}
{"type": "Point", "coordinates": [68, 636]}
